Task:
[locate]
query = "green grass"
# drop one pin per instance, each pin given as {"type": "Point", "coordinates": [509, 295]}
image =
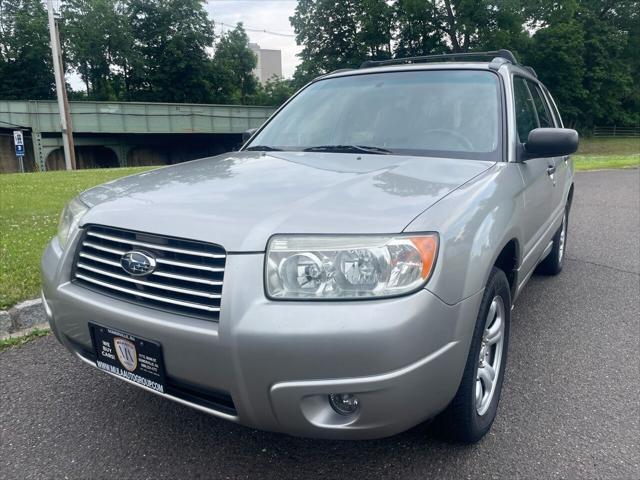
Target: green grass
{"type": "Point", "coordinates": [30, 205]}
{"type": "Point", "coordinates": [597, 153]}
{"type": "Point", "coordinates": [16, 341]}
{"type": "Point", "coordinates": [609, 146]}
{"type": "Point", "coordinates": [598, 162]}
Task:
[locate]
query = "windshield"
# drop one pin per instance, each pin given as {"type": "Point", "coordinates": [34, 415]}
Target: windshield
{"type": "Point", "coordinates": [454, 113]}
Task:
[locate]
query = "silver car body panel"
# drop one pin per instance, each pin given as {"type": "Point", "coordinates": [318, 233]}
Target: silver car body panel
{"type": "Point", "coordinates": [279, 360]}
{"type": "Point", "coordinates": [239, 200]}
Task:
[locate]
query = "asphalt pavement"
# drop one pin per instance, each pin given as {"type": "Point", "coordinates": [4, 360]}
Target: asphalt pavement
{"type": "Point", "coordinates": [570, 405]}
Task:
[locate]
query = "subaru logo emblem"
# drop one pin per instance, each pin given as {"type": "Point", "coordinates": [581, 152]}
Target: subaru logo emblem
{"type": "Point", "coordinates": [138, 263]}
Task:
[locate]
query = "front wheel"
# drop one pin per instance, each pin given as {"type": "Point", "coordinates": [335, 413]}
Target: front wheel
{"type": "Point", "coordinates": [471, 413]}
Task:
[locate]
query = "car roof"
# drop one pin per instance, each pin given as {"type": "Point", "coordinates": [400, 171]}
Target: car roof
{"type": "Point", "coordinates": [450, 65]}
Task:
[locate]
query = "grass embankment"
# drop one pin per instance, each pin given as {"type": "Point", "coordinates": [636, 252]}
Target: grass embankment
{"type": "Point", "coordinates": [599, 153]}
{"type": "Point", "coordinates": [30, 205]}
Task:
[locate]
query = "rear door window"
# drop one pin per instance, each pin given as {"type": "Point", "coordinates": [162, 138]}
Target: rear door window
{"type": "Point", "coordinates": [526, 116]}
{"type": "Point", "coordinates": [544, 115]}
{"type": "Point", "coordinates": [554, 108]}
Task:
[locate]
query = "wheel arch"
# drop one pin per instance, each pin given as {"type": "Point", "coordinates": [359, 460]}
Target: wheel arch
{"type": "Point", "coordinates": [508, 260]}
{"type": "Point", "coordinates": [570, 197]}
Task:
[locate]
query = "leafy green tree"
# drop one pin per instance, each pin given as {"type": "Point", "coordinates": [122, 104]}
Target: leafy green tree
{"type": "Point", "coordinates": [556, 53]}
{"type": "Point", "coordinates": [340, 34]}
{"type": "Point", "coordinates": [233, 65]}
{"type": "Point", "coordinates": [442, 26]}
{"type": "Point", "coordinates": [631, 103]}
{"type": "Point", "coordinates": [97, 42]}
{"type": "Point", "coordinates": [26, 71]}
{"type": "Point", "coordinates": [586, 51]}
{"type": "Point", "coordinates": [327, 32]}
{"type": "Point", "coordinates": [375, 28]}
{"type": "Point", "coordinates": [583, 52]}
{"type": "Point", "coordinates": [169, 60]}
{"type": "Point", "coordinates": [416, 34]}
{"type": "Point", "coordinates": [274, 92]}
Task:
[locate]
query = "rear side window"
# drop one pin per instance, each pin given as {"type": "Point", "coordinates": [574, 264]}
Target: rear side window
{"type": "Point", "coordinates": [554, 108]}
{"type": "Point", "coordinates": [526, 117]}
{"type": "Point", "coordinates": [544, 115]}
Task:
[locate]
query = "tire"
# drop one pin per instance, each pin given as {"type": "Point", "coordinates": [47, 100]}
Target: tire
{"type": "Point", "coordinates": [552, 264]}
{"type": "Point", "coordinates": [468, 417]}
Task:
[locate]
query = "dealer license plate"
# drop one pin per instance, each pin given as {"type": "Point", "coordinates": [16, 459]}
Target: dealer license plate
{"type": "Point", "coordinates": [127, 356]}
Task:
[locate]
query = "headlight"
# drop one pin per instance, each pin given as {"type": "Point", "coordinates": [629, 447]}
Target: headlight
{"type": "Point", "coordinates": [69, 219]}
{"type": "Point", "coordinates": [348, 267]}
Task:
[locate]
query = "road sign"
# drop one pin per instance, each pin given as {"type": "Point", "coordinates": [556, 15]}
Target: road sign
{"type": "Point", "coordinates": [18, 141]}
{"type": "Point", "coordinates": [18, 138]}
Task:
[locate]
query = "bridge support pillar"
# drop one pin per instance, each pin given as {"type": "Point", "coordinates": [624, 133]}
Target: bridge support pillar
{"type": "Point", "coordinates": [38, 151]}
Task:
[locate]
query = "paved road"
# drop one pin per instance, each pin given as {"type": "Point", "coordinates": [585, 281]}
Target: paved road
{"type": "Point", "coordinates": [570, 406]}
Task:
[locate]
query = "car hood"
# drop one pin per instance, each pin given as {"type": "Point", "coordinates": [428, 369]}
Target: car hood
{"type": "Point", "coordinates": [240, 199]}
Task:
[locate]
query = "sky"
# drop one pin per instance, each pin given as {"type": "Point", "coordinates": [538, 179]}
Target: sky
{"type": "Point", "coordinates": [271, 15]}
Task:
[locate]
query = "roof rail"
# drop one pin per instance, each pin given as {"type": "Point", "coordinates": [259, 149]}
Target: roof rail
{"type": "Point", "coordinates": [505, 54]}
{"type": "Point", "coordinates": [340, 70]}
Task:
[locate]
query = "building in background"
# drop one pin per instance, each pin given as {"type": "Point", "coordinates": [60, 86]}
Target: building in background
{"type": "Point", "coordinates": [269, 63]}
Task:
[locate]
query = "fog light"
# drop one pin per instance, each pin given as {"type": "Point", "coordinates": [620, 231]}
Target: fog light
{"type": "Point", "coordinates": [344, 403]}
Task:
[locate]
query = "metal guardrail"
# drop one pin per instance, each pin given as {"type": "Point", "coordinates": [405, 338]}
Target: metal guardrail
{"type": "Point", "coordinates": [615, 131]}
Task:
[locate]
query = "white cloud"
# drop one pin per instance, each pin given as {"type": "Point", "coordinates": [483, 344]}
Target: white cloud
{"type": "Point", "coordinates": [271, 15]}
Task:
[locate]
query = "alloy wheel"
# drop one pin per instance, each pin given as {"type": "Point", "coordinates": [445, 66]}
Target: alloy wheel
{"type": "Point", "coordinates": [490, 357]}
{"type": "Point", "coordinates": [562, 239]}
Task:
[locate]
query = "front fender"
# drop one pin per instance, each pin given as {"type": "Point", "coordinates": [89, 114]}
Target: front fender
{"type": "Point", "coordinates": [475, 222]}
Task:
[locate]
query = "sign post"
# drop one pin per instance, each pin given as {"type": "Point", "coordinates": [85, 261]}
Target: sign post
{"type": "Point", "coordinates": [18, 141]}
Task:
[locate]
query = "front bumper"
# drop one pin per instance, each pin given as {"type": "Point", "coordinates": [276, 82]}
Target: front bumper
{"type": "Point", "coordinates": [278, 361]}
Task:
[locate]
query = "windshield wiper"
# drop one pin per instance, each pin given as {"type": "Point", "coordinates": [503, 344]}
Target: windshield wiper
{"type": "Point", "coordinates": [263, 148]}
{"type": "Point", "coordinates": [348, 149]}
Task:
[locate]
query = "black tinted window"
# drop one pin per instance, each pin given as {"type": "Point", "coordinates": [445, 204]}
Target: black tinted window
{"type": "Point", "coordinates": [554, 108]}
{"type": "Point", "coordinates": [526, 118]}
{"type": "Point", "coordinates": [544, 116]}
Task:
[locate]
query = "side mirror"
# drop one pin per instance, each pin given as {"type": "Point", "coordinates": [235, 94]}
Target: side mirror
{"type": "Point", "coordinates": [247, 134]}
{"type": "Point", "coordinates": [550, 142]}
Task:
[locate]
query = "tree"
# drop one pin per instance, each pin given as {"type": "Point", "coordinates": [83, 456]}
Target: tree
{"type": "Point", "coordinates": [556, 54]}
{"type": "Point", "coordinates": [582, 52]}
{"type": "Point", "coordinates": [441, 26]}
{"type": "Point", "coordinates": [375, 27]}
{"type": "Point", "coordinates": [26, 71]}
{"type": "Point", "coordinates": [273, 93]}
{"type": "Point", "coordinates": [169, 60]}
{"type": "Point", "coordinates": [97, 42]}
{"type": "Point", "coordinates": [416, 34]}
{"type": "Point", "coordinates": [233, 65]}
{"type": "Point", "coordinates": [340, 34]}
{"type": "Point", "coordinates": [586, 51]}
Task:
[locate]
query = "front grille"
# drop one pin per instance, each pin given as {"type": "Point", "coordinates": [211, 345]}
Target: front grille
{"type": "Point", "coordinates": [187, 279]}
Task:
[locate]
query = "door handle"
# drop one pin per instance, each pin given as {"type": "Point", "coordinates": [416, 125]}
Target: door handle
{"type": "Point", "coordinates": [551, 169]}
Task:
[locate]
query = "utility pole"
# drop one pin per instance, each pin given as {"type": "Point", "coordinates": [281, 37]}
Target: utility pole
{"type": "Point", "coordinates": [61, 90]}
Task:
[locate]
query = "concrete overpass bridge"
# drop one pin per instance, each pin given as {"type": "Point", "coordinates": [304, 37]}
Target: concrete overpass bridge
{"type": "Point", "coordinates": [124, 133]}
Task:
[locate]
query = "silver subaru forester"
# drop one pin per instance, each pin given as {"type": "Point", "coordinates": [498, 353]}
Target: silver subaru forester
{"type": "Point", "coordinates": [349, 273]}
